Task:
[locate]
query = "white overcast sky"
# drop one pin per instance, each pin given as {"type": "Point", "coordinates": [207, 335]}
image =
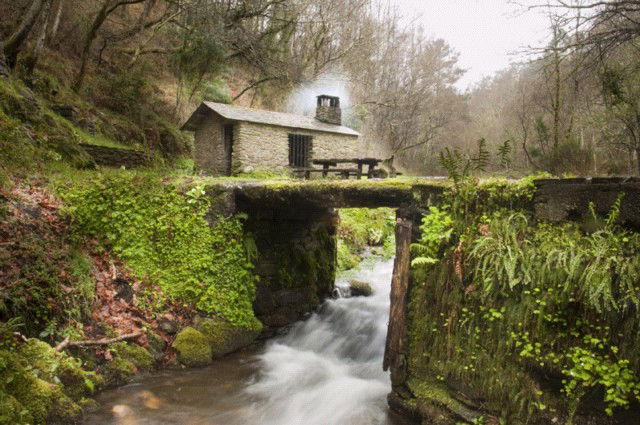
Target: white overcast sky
{"type": "Point", "coordinates": [485, 33]}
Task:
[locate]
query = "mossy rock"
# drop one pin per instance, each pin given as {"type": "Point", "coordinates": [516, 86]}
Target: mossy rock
{"type": "Point", "coordinates": [44, 401]}
{"type": "Point", "coordinates": [193, 348]}
{"type": "Point", "coordinates": [156, 345]}
{"type": "Point", "coordinates": [119, 371]}
{"type": "Point", "coordinates": [77, 382]}
{"type": "Point", "coordinates": [12, 411]}
{"type": "Point", "coordinates": [359, 288]}
{"type": "Point", "coordinates": [134, 353]}
{"type": "Point", "coordinates": [223, 337]}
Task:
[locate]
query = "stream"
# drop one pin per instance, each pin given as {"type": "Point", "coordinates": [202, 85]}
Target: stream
{"type": "Point", "coordinates": [326, 370]}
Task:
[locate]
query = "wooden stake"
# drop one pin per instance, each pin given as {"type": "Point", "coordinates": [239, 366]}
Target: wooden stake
{"type": "Point", "coordinates": [396, 334]}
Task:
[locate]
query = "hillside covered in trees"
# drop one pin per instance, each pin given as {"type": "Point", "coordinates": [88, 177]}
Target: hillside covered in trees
{"type": "Point", "coordinates": [128, 72]}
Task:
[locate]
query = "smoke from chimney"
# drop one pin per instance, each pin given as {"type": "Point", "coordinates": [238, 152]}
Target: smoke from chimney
{"type": "Point", "coordinates": [328, 109]}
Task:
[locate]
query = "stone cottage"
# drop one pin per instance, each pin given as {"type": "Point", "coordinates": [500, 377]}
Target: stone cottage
{"type": "Point", "coordinates": [230, 139]}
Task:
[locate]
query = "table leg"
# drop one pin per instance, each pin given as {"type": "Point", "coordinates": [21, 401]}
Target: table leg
{"type": "Point", "coordinates": [370, 170]}
{"type": "Point", "coordinates": [325, 170]}
{"type": "Point", "coordinates": [359, 175]}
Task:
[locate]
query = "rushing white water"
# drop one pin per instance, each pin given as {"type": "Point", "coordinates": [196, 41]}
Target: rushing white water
{"type": "Point", "coordinates": [328, 369]}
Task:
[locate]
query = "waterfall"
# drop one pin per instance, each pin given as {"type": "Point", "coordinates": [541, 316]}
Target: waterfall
{"type": "Point", "coordinates": [328, 369]}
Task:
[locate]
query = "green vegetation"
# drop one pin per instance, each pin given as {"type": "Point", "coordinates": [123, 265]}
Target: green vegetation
{"type": "Point", "coordinates": [162, 232]}
{"type": "Point", "coordinates": [47, 281]}
{"type": "Point", "coordinates": [39, 385]}
{"type": "Point", "coordinates": [361, 228]}
{"type": "Point", "coordinates": [222, 336]}
{"type": "Point", "coordinates": [528, 319]}
{"type": "Point", "coordinates": [193, 348]}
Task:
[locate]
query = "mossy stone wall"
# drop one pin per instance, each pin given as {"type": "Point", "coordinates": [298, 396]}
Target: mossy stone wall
{"type": "Point", "coordinates": [295, 260]}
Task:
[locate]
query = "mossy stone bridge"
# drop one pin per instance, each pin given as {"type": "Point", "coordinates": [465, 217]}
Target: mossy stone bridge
{"type": "Point", "coordinates": [294, 225]}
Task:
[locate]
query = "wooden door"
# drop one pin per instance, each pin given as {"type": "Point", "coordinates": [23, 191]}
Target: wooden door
{"type": "Point", "coordinates": [228, 147]}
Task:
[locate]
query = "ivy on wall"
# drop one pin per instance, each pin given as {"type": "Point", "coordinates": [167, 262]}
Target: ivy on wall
{"type": "Point", "coordinates": [161, 231]}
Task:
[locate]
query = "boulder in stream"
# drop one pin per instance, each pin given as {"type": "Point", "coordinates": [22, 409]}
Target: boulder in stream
{"type": "Point", "coordinates": [222, 336]}
{"type": "Point", "coordinates": [193, 348]}
{"type": "Point", "coordinates": [359, 288]}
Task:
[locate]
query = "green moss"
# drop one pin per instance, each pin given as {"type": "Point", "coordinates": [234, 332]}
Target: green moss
{"type": "Point", "coordinates": [432, 395]}
{"type": "Point", "coordinates": [223, 337]}
{"type": "Point", "coordinates": [55, 367]}
{"type": "Point", "coordinates": [35, 395]}
{"type": "Point", "coordinates": [77, 382]}
{"type": "Point", "coordinates": [360, 228]}
{"type": "Point", "coordinates": [12, 411]}
{"type": "Point", "coordinates": [134, 353]}
{"type": "Point", "coordinates": [525, 318]}
{"type": "Point", "coordinates": [193, 348]}
{"type": "Point", "coordinates": [162, 231]}
{"type": "Point", "coordinates": [156, 345]}
{"type": "Point", "coordinates": [119, 371]}
{"type": "Point", "coordinates": [359, 288]}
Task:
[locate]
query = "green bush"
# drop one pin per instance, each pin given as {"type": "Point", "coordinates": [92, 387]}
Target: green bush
{"type": "Point", "coordinates": [360, 228]}
{"type": "Point", "coordinates": [530, 317]}
{"type": "Point", "coordinates": [162, 232]}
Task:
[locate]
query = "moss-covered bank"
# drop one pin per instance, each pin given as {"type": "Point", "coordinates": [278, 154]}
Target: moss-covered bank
{"type": "Point", "coordinates": [125, 253]}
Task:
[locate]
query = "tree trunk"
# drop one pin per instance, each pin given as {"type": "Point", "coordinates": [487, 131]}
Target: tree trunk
{"type": "Point", "coordinates": [56, 20]}
{"type": "Point", "coordinates": [33, 58]}
{"type": "Point", "coordinates": [4, 69]}
{"type": "Point", "coordinates": [13, 44]}
{"type": "Point", "coordinates": [107, 8]}
{"type": "Point", "coordinates": [396, 335]}
{"type": "Point", "coordinates": [88, 43]}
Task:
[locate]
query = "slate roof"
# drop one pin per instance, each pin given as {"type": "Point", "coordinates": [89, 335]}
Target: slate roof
{"type": "Point", "coordinates": [281, 119]}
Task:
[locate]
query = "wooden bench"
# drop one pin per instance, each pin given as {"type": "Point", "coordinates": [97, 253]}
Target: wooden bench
{"type": "Point", "coordinates": [344, 172]}
{"type": "Point", "coordinates": [371, 164]}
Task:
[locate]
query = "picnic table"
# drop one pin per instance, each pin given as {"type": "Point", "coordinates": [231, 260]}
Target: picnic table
{"type": "Point", "coordinates": [327, 165]}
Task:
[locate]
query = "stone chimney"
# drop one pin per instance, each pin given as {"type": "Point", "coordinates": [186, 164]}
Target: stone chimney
{"type": "Point", "coordinates": [328, 109]}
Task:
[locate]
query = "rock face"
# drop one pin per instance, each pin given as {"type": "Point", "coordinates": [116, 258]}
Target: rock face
{"type": "Point", "coordinates": [193, 348]}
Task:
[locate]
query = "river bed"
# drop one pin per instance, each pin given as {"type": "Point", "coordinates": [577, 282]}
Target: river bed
{"type": "Point", "coordinates": [326, 370]}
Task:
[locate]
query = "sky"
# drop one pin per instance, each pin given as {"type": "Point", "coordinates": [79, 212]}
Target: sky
{"type": "Point", "coordinates": [486, 33]}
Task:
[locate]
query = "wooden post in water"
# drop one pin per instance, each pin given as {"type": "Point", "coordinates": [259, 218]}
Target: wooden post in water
{"type": "Point", "coordinates": [397, 331]}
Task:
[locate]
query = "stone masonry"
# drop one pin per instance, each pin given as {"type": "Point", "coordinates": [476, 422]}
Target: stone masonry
{"type": "Point", "coordinates": [208, 146]}
{"type": "Point", "coordinates": [267, 147]}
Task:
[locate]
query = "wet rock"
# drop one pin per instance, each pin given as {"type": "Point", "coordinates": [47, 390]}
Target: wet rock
{"type": "Point", "coordinates": [156, 345]}
{"type": "Point", "coordinates": [124, 290]}
{"type": "Point", "coordinates": [359, 288]}
{"type": "Point", "coordinates": [223, 337]}
{"type": "Point", "coordinates": [170, 327]}
{"type": "Point", "coordinates": [193, 348]}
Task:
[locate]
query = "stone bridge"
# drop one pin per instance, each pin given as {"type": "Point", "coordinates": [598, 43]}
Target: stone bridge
{"type": "Point", "coordinates": [294, 224]}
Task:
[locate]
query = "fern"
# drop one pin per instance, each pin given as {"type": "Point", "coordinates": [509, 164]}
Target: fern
{"type": "Point", "coordinates": [481, 160]}
{"type": "Point", "coordinates": [504, 154]}
{"type": "Point", "coordinates": [614, 213]}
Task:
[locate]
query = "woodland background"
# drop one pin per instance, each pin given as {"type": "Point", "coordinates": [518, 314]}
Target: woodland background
{"type": "Point", "coordinates": [131, 71]}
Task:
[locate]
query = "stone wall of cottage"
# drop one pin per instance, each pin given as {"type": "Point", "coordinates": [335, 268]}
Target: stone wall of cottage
{"type": "Point", "coordinates": [208, 148]}
{"type": "Point", "coordinates": [267, 147]}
